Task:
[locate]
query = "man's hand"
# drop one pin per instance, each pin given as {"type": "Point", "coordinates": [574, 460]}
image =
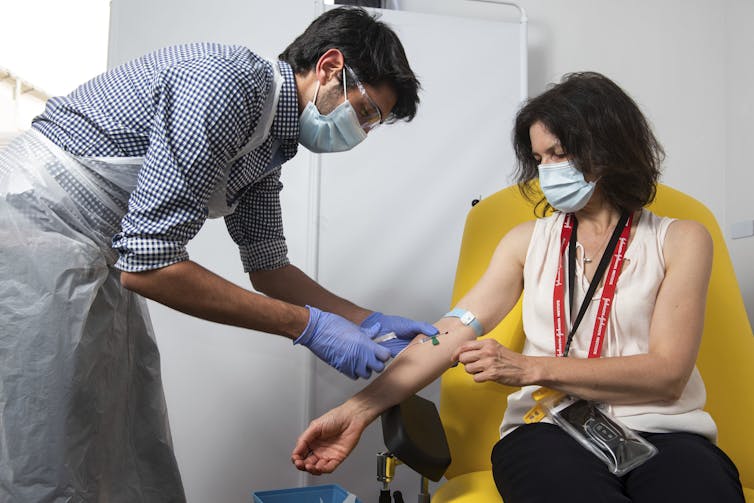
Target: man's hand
{"type": "Point", "coordinates": [405, 330]}
{"type": "Point", "coordinates": [328, 440]}
{"type": "Point", "coordinates": [343, 345]}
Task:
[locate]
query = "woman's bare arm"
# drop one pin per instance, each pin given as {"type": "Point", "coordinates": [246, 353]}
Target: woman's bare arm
{"type": "Point", "coordinates": [674, 339]}
{"type": "Point", "coordinates": [331, 437]}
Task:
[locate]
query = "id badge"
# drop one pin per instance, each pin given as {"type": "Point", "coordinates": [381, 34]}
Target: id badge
{"type": "Point", "coordinates": [619, 447]}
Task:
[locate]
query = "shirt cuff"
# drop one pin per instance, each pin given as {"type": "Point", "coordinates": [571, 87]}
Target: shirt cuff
{"type": "Point", "coordinates": [146, 254]}
{"type": "Point", "coordinates": [264, 256]}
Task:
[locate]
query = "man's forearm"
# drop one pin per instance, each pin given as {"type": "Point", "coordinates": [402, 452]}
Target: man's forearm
{"type": "Point", "coordinates": [290, 284]}
{"type": "Point", "coordinates": [192, 289]}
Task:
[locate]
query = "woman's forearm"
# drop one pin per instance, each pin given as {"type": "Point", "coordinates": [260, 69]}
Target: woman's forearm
{"type": "Point", "coordinates": [620, 380]}
{"type": "Point", "coordinates": [490, 300]}
{"type": "Point", "coordinates": [414, 368]}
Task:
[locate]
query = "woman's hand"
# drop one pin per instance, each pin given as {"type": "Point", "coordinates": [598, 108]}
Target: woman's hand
{"type": "Point", "coordinates": [328, 440]}
{"type": "Point", "coordinates": [488, 360]}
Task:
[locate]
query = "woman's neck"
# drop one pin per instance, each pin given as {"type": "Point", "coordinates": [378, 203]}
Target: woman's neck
{"type": "Point", "coordinates": [598, 215]}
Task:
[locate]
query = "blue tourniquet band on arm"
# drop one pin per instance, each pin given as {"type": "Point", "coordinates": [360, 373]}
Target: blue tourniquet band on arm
{"type": "Point", "coordinates": [467, 318]}
{"type": "Point", "coordinates": [186, 110]}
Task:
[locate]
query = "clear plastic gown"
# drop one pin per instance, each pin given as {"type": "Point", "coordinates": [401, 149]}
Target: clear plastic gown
{"type": "Point", "coordinates": [82, 411]}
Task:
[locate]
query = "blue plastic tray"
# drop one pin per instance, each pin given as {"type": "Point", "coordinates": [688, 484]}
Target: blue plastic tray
{"type": "Point", "coordinates": [329, 493]}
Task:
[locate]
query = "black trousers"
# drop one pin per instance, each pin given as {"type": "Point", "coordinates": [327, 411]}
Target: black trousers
{"type": "Point", "coordinates": [541, 463]}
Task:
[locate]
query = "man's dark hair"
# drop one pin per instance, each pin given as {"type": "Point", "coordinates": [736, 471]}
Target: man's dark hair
{"type": "Point", "coordinates": [370, 48]}
{"type": "Point", "coordinates": [602, 130]}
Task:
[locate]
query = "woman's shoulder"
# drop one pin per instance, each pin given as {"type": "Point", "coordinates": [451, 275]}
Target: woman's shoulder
{"type": "Point", "coordinates": [539, 228]}
{"type": "Point", "coordinates": [683, 239]}
{"type": "Point", "coordinates": [526, 227]}
{"type": "Point", "coordinates": [516, 241]}
{"type": "Point", "coordinates": [674, 231]}
{"type": "Point", "coordinates": [521, 232]}
{"type": "Point", "coordinates": [687, 233]}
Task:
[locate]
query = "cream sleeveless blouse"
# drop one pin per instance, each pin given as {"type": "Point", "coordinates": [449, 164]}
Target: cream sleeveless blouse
{"type": "Point", "coordinates": [628, 324]}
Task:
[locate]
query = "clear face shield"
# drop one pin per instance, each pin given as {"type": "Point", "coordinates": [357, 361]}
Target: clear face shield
{"type": "Point", "coordinates": [367, 111]}
{"type": "Point", "coordinates": [345, 126]}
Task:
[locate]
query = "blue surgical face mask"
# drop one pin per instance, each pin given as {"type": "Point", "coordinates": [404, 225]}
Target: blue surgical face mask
{"type": "Point", "coordinates": [335, 132]}
{"type": "Point", "coordinates": [564, 186]}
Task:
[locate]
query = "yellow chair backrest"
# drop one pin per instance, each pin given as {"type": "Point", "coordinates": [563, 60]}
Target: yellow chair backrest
{"type": "Point", "coordinates": [471, 412]}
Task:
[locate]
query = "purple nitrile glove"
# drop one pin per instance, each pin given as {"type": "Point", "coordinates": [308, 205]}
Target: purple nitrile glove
{"type": "Point", "coordinates": [342, 344]}
{"type": "Point", "coordinates": [405, 329]}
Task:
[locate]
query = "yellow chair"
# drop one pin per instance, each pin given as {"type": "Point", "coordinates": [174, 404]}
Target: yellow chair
{"type": "Point", "coordinates": [471, 413]}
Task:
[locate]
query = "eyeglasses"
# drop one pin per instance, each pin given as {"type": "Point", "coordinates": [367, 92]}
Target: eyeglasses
{"type": "Point", "coordinates": [368, 112]}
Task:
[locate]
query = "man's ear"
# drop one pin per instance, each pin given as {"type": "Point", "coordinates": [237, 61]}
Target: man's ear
{"type": "Point", "coordinates": [329, 65]}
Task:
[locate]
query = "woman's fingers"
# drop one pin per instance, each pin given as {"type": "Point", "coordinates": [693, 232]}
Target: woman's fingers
{"type": "Point", "coordinates": [465, 348]}
{"type": "Point", "coordinates": [488, 360]}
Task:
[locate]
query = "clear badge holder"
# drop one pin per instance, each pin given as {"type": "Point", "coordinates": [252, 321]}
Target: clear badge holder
{"type": "Point", "coordinates": [619, 447]}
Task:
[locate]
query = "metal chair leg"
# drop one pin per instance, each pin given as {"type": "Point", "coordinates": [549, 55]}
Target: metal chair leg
{"type": "Point", "coordinates": [424, 490]}
{"type": "Point", "coordinates": [386, 464]}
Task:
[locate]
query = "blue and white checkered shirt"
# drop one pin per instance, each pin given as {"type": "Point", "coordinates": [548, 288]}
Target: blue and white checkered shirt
{"type": "Point", "coordinates": [187, 110]}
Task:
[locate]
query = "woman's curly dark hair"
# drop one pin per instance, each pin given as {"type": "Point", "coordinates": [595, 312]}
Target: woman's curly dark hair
{"type": "Point", "coordinates": [602, 130]}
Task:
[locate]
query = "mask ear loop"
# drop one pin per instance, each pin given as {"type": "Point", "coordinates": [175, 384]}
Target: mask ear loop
{"type": "Point", "coordinates": [345, 91]}
{"type": "Point", "coordinates": [314, 99]}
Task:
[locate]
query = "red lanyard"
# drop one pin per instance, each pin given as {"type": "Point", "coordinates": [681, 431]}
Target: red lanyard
{"type": "Point", "coordinates": [617, 248]}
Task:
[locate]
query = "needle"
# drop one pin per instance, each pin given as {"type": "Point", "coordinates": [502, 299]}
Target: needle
{"type": "Point", "coordinates": [433, 338]}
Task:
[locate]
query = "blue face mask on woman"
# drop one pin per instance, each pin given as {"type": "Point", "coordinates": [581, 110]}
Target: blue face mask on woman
{"type": "Point", "coordinates": [564, 186]}
{"type": "Point", "coordinates": [335, 132]}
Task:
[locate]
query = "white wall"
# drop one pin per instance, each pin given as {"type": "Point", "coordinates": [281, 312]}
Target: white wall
{"type": "Point", "coordinates": [52, 44]}
{"type": "Point", "coordinates": [737, 159]}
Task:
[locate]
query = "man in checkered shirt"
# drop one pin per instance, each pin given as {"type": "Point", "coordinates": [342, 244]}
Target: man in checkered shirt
{"type": "Point", "coordinates": [106, 190]}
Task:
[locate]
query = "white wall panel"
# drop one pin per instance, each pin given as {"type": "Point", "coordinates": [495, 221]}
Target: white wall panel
{"type": "Point", "coordinates": [737, 161]}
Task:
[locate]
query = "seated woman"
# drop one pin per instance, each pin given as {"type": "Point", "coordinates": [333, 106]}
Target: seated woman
{"type": "Point", "coordinates": [597, 161]}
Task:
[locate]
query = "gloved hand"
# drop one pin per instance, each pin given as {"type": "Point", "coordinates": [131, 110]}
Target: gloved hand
{"type": "Point", "coordinates": [405, 329]}
{"type": "Point", "coordinates": [342, 345]}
